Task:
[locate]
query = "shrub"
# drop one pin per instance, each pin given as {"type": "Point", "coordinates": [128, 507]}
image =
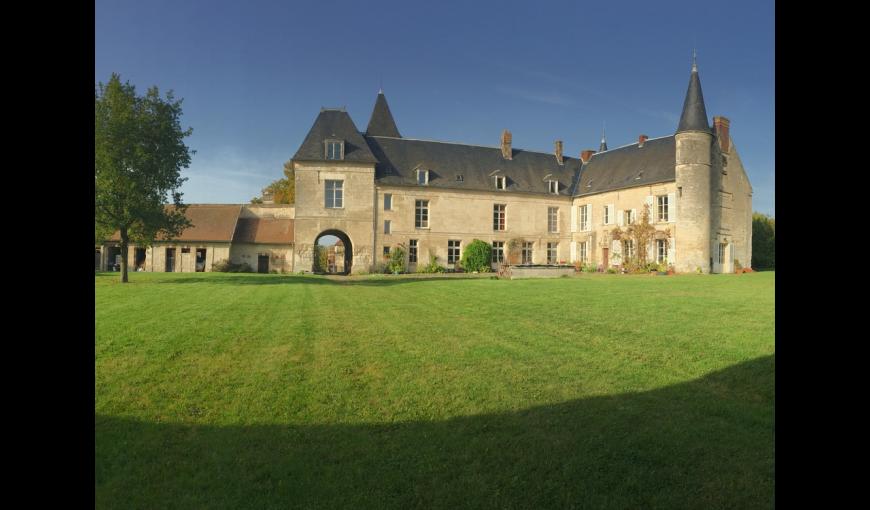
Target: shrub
{"type": "Point", "coordinates": [396, 264]}
{"type": "Point", "coordinates": [225, 266]}
{"type": "Point", "coordinates": [611, 270]}
{"type": "Point", "coordinates": [433, 266]}
{"type": "Point", "coordinates": [590, 268]}
{"type": "Point", "coordinates": [477, 256]}
{"type": "Point", "coordinates": [321, 259]}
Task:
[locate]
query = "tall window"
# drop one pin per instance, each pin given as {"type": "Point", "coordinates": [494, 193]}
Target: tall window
{"type": "Point", "coordinates": [421, 216]}
{"type": "Point", "coordinates": [334, 194]}
{"type": "Point", "coordinates": [388, 201]}
{"type": "Point", "coordinates": [412, 251]}
{"type": "Point", "coordinates": [554, 187]}
{"type": "Point", "coordinates": [527, 253]}
{"type": "Point", "coordinates": [551, 252]}
{"type": "Point", "coordinates": [552, 219]}
{"type": "Point", "coordinates": [333, 149]}
{"type": "Point", "coordinates": [662, 208]}
{"type": "Point", "coordinates": [386, 226]}
{"type": "Point", "coordinates": [627, 250]}
{"type": "Point", "coordinates": [498, 216]}
{"type": "Point", "coordinates": [607, 215]}
{"type": "Point", "coordinates": [661, 250]}
{"type": "Point", "coordinates": [582, 249]}
{"type": "Point", "coordinates": [584, 217]}
{"type": "Point", "coordinates": [721, 253]}
{"type": "Point", "coordinates": [452, 252]}
{"type": "Point", "coordinates": [628, 217]}
{"type": "Point", "coordinates": [498, 251]}
{"type": "Point", "coordinates": [422, 177]}
{"type": "Point", "coordinates": [500, 182]}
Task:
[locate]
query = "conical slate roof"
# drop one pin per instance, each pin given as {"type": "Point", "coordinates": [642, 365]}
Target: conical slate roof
{"type": "Point", "coordinates": [694, 117]}
{"type": "Point", "coordinates": [382, 123]}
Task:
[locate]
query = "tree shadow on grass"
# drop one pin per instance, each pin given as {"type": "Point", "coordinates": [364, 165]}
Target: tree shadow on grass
{"type": "Point", "coordinates": [264, 279]}
{"type": "Point", "coordinates": [707, 443]}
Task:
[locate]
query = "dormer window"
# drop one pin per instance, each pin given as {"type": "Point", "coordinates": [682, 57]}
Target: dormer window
{"type": "Point", "coordinates": [422, 177]}
{"type": "Point", "coordinates": [500, 182]}
{"type": "Point", "coordinates": [553, 186]}
{"type": "Point", "coordinates": [334, 149]}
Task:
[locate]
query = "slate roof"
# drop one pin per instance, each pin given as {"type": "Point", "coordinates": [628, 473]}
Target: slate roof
{"type": "Point", "coordinates": [264, 231]}
{"type": "Point", "coordinates": [335, 124]}
{"type": "Point", "coordinates": [694, 116]}
{"type": "Point", "coordinates": [399, 158]}
{"type": "Point", "coordinates": [381, 122]}
{"type": "Point", "coordinates": [629, 166]}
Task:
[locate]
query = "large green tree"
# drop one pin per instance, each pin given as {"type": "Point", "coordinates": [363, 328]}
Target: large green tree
{"type": "Point", "coordinates": [283, 190]}
{"type": "Point", "coordinates": [139, 152]}
{"type": "Point", "coordinates": [763, 241]}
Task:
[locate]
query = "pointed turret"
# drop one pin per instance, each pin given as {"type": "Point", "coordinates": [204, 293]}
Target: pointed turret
{"type": "Point", "coordinates": [382, 123]}
{"type": "Point", "coordinates": [603, 146]}
{"type": "Point", "coordinates": [694, 117]}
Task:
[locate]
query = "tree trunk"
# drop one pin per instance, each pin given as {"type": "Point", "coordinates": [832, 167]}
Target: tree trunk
{"type": "Point", "coordinates": [124, 253]}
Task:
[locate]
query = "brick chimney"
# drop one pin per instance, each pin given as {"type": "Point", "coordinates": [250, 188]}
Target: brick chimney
{"type": "Point", "coordinates": [559, 152]}
{"type": "Point", "coordinates": [585, 155]}
{"type": "Point", "coordinates": [720, 126]}
{"type": "Point", "coordinates": [640, 140]}
{"type": "Point", "coordinates": [506, 144]}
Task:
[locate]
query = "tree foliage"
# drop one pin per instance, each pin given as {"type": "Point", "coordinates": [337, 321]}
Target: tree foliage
{"type": "Point", "coordinates": [283, 190]}
{"type": "Point", "coordinates": [763, 241]}
{"type": "Point", "coordinates": [139, 152]}
{"type": "Point", "coordinates": [397, 260]}
{"type": "Point", "coordinates": [477, 256]}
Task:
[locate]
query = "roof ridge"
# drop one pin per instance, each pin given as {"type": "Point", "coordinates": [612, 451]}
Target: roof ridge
{"type": "Point", "coordinates": [469, 145]}
{"type": "Point", "coordinates": [630, 144]}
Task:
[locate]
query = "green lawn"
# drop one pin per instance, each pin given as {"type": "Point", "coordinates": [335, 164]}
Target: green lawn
{"type": "Point", "coordinates": [270, 391]}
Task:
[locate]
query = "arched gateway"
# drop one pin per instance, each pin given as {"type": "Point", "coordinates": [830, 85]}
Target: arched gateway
{"type": "Point", "coordinates": [339, 257]}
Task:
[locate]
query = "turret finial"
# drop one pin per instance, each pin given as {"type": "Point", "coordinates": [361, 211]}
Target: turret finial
{"type": "Point", "coordinates": [694, 60]}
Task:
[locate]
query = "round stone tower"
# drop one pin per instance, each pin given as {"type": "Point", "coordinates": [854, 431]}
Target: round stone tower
{"type": "Point", "coordinates": [694, 141]}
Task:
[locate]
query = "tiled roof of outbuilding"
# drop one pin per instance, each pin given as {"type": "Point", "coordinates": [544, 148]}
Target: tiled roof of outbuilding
{"type": "Point", "coordinates": [211, 222]}
{"type": "Point", "coordinates": [264, 231]}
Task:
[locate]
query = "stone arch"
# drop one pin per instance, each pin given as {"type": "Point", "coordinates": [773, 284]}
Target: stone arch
{"type": "Point", "coordinates": [348, 248]}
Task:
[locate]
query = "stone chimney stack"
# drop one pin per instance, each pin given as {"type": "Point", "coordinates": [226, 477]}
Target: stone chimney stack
{"type": "Point", "coordinates": [559, 152]}
{"type": "Point", "coordinates": [721, 125]}
{"type": "Point", "coordinates": [506, 145]}
{"type": "Point", "coordinates": [585, 155]}
{"type": "Point", "coordinates": [640, 140]}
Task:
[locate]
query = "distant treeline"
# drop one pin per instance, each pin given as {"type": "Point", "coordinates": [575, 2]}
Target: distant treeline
{"type": "Point", "coordinates": [763, 241]}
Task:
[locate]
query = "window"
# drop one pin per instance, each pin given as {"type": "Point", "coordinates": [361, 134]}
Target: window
{"type": "Point", "coordinates": [498, 251]}
{"type": "Point", "coordinates": [662, 208]}
{"type": "Point", "coordinates": [460, 178]}
{"type": "Point", "coordinates": [552, 219]}
{"type": "Point", "coordinates": [498, 216]}
{"type": "Point", "coordinates": [584, 218]}
{"type": "Point", "coordinates": [421, 216]}
{"type": "Point", "coordinates": [334, 149]}
{"type": "Point", "coordinates": [627, 250]}
{"type": "Point", "coordinates": [422, 177]}
{"type": "Point", "coordinates": [334, 194]}
{"type": "Point", "coordinates": [412, 251]}
{"type": "Point", "coordinates": [607, 215]}
{"type": "Point", "coordinates": [661, 250]}
{"type": "Point", "coordinates": [554, 187]}
{"type": "Point", "coordinates": [386, 226]}
{"type": "Point", "coordinates": [527, 252]}
{"type": "Point", "coordinates": [582, 249]}
{"type": "Point", "coordinates": [551, 252]}
{"type": "Point", "coordinates": [628, 218]}
{"type": "Point", "coordinates": [500, 182]}
{"type": "Point", "coordinates": [386, 251]}
{"type": "Point", "coordinates": [452, 252]}
{"type": "Point", "coordinates": [388, 201]}
{"type": "Point", "coordinates": [722, 253]}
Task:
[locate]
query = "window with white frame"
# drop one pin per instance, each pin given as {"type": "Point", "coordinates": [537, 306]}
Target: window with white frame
{"type": "Point", "coordinates": [553, 186]}
{"type": "Point", "coordinates": [388, 201]}
{"type": "Point", "coordinates": [422, 177]}
{"type": "Point", "coordinates": [552, 219]}
{"type": "Point", "coordinates": [334, 194]}
{"type": "Point", "coordinates": [627, 250]}
{"type": "Point", "coordinates": [628, 218]}
{"type": "Point", "coordinates": [421, 214]}
{"type": "Point", "coordinates": [334, 149]}
{"type": "Point", "coordinates": [527, 252]}
{"type": "Point", "coordinates": [552, 249]}
{"type": "Point", "coordinates": [500, 182]}
{"type": "Point", "coordinates": [498, 251]}
{"type": "Point", "coordinates": [386, 226]}
{"type": "Point", "coordinates": [412, 251]}
{"type": "Point", "coordinates": [452, 252]}
{"type": "Point", "coordinates": [584, 217]}
{"type": "Point", "coordinates": [722, 253]}
{"type": "Point", "coordinates": [582, 251]}
{"type": "Point", "coordinates": [498, 216]}
{"type": "Point", "coordinates": [661, 250]}
{"type": "Point", "coordinates": [662, 208]}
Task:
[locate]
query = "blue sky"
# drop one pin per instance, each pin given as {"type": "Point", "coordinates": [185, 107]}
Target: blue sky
{"type": "Point", "coordinates": [254, 75]}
